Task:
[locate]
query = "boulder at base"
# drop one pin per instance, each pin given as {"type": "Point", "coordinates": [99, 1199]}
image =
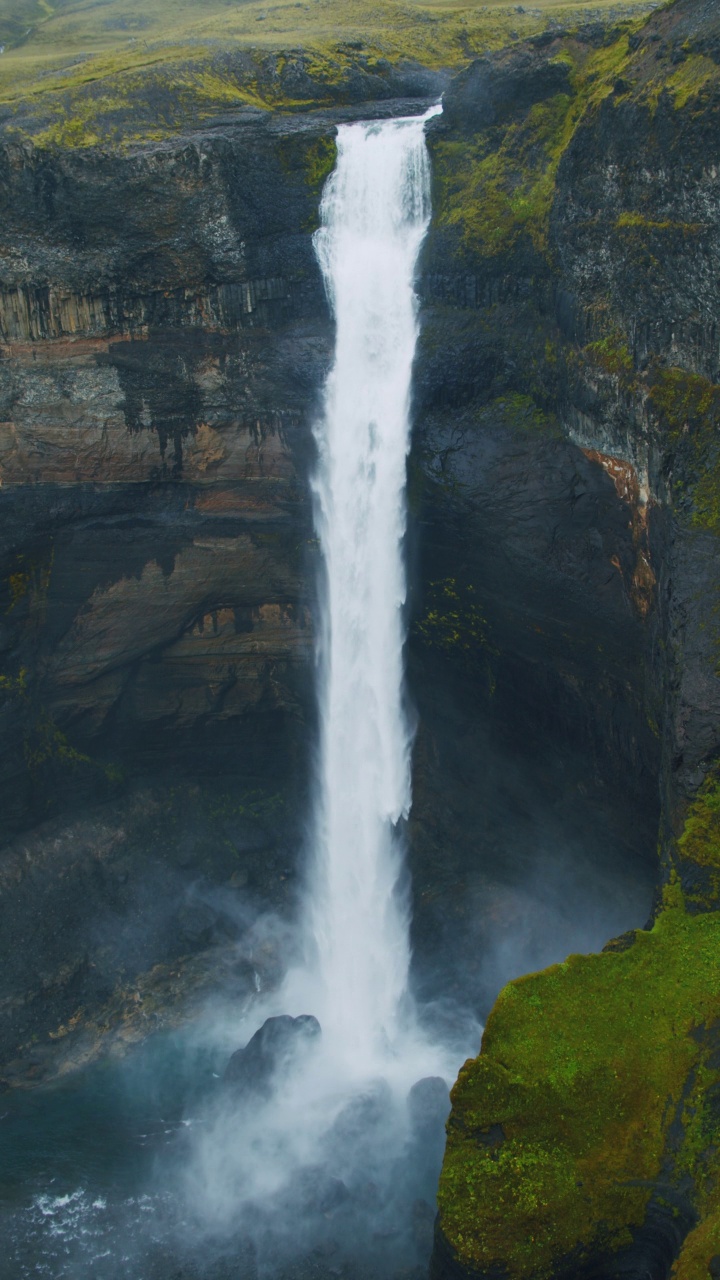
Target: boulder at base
{"type": "Point", "coordinates": [254, 1068]}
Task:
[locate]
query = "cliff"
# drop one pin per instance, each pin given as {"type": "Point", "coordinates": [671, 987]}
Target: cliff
{"type": "Point", "coordinates": [573, 267]}
{"type": "Point", "coordinates": [164, 332]}
{"type": "Point", "coordinates": [164, 338]}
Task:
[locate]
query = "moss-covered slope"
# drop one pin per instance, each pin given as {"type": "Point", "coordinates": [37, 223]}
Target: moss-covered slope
{"type": "Point", "coordinates": [584, 1137]}
{"type": "Point", "coordinates": [593, 1102]}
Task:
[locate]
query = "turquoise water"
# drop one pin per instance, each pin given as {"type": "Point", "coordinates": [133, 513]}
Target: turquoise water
{"type": "Point", "coordinates": [86, 1166]}
{"type": "Point", "coordinates": [92, 1182]}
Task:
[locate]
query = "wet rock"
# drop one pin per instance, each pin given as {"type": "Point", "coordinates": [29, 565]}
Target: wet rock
{"type": "Point", "coordinates": [422, 1223]}
{"type": "Point", "coordinates": [196, 923]}
{"type": "Point", "coordinates": [314, 1190]}
{"type": "Point", "coordinates": [362, 1122]}
{"type": "Point", "coordinates": [491, 91]}
{"type": "Point", "coordinates": [429, 1105]}
{"type": "Point", "coordinates": [428, 1109]}
{"type": "Point", "coordinates": [254, 1069]}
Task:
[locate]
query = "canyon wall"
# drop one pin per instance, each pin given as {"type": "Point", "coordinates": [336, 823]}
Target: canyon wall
{"type": "Point", "coordinates": [573, 272]}
{"type": "Point", "coordinates": [164, 336]}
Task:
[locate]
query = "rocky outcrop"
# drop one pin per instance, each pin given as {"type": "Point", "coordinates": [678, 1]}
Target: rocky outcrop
{"type": "Point", "coordinates": [254, 1070]}
{"type": "Point", "coordinates": [119, 919]}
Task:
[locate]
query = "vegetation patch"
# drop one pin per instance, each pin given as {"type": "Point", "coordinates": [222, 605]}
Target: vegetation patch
{"type": "Point", "coordinates": [522, 413]}
{"type": "Point", "coordinates": [701, 1247]}
{"type": "Point", "coordinates": [700, 840]}
{"type": "Point", "coordinates": [638, 222]}
{"type": "Point", "coordinates": [312, 157]}
{"type": "Point", "coordinates": [560, 1127]}
{"type": "Point", "coordinates": [698, 847]}
{"type": "Point", "coordinates": [492, 197]}
{"type": "Point", "coordinates": [453, 620]}
{"type": "Point", "coordinates": [687, 406]}
{"type": "Point", "coordinates": [696, 73]}
{"type": "Point", "coordinates": [612, 355]}
{"type": "Point", "coordinates": [498, 186]}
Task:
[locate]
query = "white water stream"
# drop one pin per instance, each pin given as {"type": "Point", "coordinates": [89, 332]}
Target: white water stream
{"type": "Point", "coordinates": [375, 212]}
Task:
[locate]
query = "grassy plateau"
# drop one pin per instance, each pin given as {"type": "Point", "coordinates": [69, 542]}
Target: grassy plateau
{"type": "Point", "coordinates": [89, 72]}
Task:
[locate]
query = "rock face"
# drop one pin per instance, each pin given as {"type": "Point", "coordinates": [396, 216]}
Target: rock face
{"type": "Point", "coordinates": [163, 334]}
{"type": "Point", "coordinates": [118, 918]}
{"type": "Point", "coordinates": [571, 445]}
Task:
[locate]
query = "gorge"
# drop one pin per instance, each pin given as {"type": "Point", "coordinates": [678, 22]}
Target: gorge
{"type": "Point", "coordinates": [165, 339]}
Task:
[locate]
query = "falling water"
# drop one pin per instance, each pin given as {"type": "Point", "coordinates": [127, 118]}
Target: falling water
{"type": "Point", "coordinates": [375, 212]}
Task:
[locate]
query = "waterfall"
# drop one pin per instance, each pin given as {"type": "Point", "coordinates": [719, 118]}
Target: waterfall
{"type": "Point", "coordinates": [359, 1112]}
{"type": "Point", "coordinates": [374, 214]}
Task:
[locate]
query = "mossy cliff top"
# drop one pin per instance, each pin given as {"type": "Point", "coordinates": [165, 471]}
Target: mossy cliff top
{"type": "Point", "coordinates": [509, 122]}
{"type": "Point", "coordinates": [117, 70]}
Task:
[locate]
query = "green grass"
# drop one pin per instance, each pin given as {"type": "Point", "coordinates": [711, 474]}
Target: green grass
{"type": "Point", "coordinates": [79, 73]}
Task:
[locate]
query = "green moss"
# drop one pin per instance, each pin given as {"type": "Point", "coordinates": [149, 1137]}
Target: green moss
{"type": "Point", "coordinates": [520, 412]}
{"type": "Point", "coordinates": [453, 620]}
{"type": "Point", "coordinates": [14, 686]}
{"type": "Point", "coordinates": [694, 75]}
{"type": "Point", "coordinates": [29, 581]}
{"type": "Point", "coordinates": [497, 190]}
{"type": "Point", "coordinates": [45, 742]}
{"type": "Point", "coordinates": [612, 355]}
{"type": "Point", "coordinates": [700, 840]}
{"type": "Point", "coordinates": [684, 400]}
{"type": "Point", "coordinates": [319, 160]}
{"type": "Point", "coordinates": [701, 1247]}
{"type": "Point", "coordinates": [313, 158]}
{"type": "Point", "coordinates": [497, 187]}
{"type": "Point", "coordinates": [698, 847]}
{"type": "Point", "coordinates": [638, 222]}
{"type": "Point", "coordinates": [494, 198]}
{"type": "Point", "coordinates": [688, 407]}
{"type": "Point", "coordinates": [559, 1128]}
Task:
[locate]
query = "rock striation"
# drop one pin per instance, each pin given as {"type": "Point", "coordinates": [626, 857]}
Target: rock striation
{"type": "Point", "coordinates": [163, 332]}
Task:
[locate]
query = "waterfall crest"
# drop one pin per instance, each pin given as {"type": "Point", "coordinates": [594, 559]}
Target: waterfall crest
{"type": "Point", "coordinates": [375, 212]}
